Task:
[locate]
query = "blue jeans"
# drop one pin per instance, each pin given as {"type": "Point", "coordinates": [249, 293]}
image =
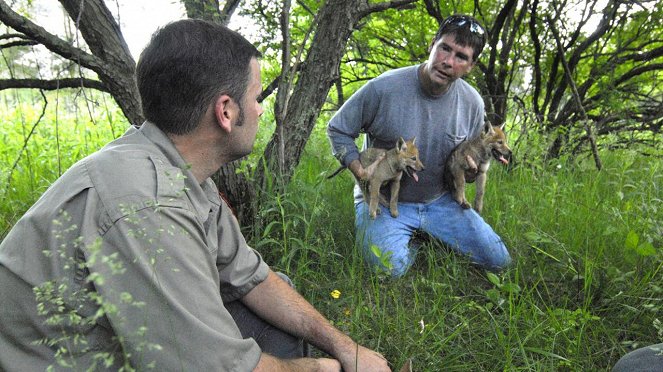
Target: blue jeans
{"type": "Point", "coordinates": [463, 230]}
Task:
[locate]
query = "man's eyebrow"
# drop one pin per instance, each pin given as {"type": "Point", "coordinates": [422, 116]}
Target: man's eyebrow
{"type": "Point", "coordinates": [462, 55]}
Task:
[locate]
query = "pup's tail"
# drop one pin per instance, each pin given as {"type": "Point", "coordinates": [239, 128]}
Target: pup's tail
{"type": "Point", "coordinates": [336, 172]}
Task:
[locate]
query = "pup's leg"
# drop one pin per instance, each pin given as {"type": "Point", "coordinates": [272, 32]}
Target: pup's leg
{"type": "Point", "coordinates": [481, 186]}
{"type": "Point", "coordinates": [363, 186]}
{"type": "Point", "coordinates": [374, 195]}
{"type": "Point", "coordinates": [395, 189]}
{"type": "Point", "coordinates": [471, 165]}
{"type": "Point", "coordinates": [383, 201]}
{"type": "Point", "coordinates": [459, 188]}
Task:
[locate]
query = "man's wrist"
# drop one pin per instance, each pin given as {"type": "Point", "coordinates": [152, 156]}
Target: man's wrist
{"type": "Point", "coordinates": [356, 169]}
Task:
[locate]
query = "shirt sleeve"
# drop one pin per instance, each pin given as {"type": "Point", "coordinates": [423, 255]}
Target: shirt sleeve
{"type": "Point", "coordinates": [158, 282]}
{"type": "Point", "coordinates": [353, 117]}
{"type": "Point", "coordinates": [240, 267]}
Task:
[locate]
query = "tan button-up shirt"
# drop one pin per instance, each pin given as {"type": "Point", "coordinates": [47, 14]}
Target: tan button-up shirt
{"type": "Point", "coordinates": [131, 258]}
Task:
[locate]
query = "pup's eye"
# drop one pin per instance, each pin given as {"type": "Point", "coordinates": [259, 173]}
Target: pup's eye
{"type": "Point", "coordinates": [413, 158]}
{"type": "Point", "coordinates": [500, 142]}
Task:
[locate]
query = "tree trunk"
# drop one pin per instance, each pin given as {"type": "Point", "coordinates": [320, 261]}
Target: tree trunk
{"type": "Point", "coordinates": [336, 21]}
{"type": "Point", "coordinates": [110, 58]}
{"type": "Point", "coordinates": [104, 38]}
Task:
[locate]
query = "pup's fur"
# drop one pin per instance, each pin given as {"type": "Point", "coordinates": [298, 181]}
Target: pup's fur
{"type": "Point", "coordinates": [402, 158]}
{"type": "Point", "coordinates": [473, 157]}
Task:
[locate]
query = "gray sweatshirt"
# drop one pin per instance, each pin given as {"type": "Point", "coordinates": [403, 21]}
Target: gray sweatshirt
{"type": "Point", "coordinates": [394, 105]}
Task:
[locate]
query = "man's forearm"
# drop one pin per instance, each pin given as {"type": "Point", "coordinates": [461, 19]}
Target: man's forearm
{"type": "Point", "coordinates": [277, 303]}
{"type": "Point", "coordinates": [356, 169]}
{"type": "Point", "coordinates": [269, 363]}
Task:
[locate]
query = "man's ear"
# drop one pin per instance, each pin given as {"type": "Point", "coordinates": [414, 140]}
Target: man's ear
{"type": "Point", "coordinates": [471, 66]}
{"type": "Point", "coordinates": [223, 111]}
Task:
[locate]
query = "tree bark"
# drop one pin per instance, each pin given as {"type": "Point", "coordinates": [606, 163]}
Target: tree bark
{"type": "Point", "coordinates": [336, 21]}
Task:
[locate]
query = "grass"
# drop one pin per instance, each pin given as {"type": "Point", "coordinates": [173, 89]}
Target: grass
{"type": "Point", "coordinates": [586, 285]}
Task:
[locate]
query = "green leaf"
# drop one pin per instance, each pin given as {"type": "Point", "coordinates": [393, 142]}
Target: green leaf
{"type": "Point", "coordinates": [646, 249]}
{"type": "Point", "coordinates": [494, 279]}
{"type": "Point", "coordinates": [632, 240]}
{"type": "Point", "coordinates": [511, 288]}
{"type": "Point", "coordinates": [493, 295]}
{"type": "Point", "coordinates": [376, 251]}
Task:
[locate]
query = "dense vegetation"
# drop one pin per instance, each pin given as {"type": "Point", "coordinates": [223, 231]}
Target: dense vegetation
{"type": "Point", "coordinates": [578, 84]}
{"type": "Point", "coordinates": [586, 285]}
{"type": "Point", "coordinates": [571, 77]}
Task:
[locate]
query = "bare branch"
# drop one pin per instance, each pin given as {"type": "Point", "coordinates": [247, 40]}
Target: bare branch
{"type": "Point", "coordinates": [52, 84]}
{"type": "Point", "coordinates": [50, 41]}
{"type": "Point", "coordinates": [205, 9]}
{"type": "Point", "coordinates": [269, 89]}
{"type": "Point", "coordinates": [433, 9]}
{"type": "Point", "coordinates": [379, 7]}
{"type": "Point", "coordinates": [228, 10]}
{"type": "Point", "coordinates": [569, 77]}
{"type": "Point", "coordinates": [12, 36]}
{"type": "Point", "coordinates": [18, 43]}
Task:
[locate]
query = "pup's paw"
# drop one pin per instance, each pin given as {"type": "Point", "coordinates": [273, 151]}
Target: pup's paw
{"type": "Point", "coordinates": [394, 212]}
{"type": "Point", "coordinates": [465, 205]}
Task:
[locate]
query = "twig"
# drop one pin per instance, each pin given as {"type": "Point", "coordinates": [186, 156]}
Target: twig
{"type": "Point", "coordinates": [576, 95]}
{"type": "Point", "coordinates": [25, 143]}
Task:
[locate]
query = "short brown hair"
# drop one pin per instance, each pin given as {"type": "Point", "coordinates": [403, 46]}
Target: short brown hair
{"type": "Point", "coordinates": [186, 66]}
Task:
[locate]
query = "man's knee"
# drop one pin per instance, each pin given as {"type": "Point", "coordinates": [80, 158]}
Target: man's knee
{"type": "Point", "coordinates": [497, 258]}
{"type": "Point", "coordinates": [501, 261]}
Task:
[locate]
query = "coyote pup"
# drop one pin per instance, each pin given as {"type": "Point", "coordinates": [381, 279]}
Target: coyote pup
{"type": "Point", "coordinates": [470, 160]}
{"type": "Point", "coordinates": [402, 158]}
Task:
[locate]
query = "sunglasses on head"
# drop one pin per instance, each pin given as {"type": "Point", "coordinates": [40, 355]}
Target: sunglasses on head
{"type": "Point", "coordinates": [460, 20]}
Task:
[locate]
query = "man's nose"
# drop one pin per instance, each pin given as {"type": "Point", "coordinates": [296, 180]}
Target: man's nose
{"type": "Point", "coordinates": [448, 59]}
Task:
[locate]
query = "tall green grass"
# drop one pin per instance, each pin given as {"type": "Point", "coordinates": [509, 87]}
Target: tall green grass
{"type": "Point", "coordinates": [586, 284]}
{"type": "Point", "coordinates": [585, 287]}
{"type": "Point", "coordinates": [41, 139]}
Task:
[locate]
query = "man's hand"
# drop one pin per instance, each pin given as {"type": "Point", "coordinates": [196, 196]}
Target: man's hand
{"type": "Point", "coordinates": [270, 363]}
{"type": "Point", "coordinates": [361, 173]}
{"type": "Point", "coordinates": [363, 359]}
{"type": "Point", "coordinates": [277, 303]}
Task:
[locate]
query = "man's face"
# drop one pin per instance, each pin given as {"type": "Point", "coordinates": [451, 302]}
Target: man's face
{"type": "Point", "coordinates": [245, 127]}
{"type": "Point", "coordinates": [447, 62]}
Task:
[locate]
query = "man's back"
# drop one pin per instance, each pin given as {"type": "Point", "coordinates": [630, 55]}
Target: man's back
{"type": "Point", "coordinates": [121, 235]}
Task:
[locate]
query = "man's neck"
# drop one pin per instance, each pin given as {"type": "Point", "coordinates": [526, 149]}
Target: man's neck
{"type": "Point", "coordinates": [427, 85]}
{"type": "Point", "coordinates": [199, 153]}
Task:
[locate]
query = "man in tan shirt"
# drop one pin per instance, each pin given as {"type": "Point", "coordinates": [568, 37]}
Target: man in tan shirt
{"type": "Point", "coordinates": [129, 258]}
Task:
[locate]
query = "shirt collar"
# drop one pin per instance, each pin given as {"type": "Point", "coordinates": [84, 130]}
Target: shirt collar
{"type": "Point", "coordinates": [201, 195]}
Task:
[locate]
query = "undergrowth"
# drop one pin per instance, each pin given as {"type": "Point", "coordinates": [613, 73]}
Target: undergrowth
{"type": "Point", "coordinates": [585, 287]}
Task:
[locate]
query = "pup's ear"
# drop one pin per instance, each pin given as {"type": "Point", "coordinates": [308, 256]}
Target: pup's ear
{"type": "Point", "coordinates": [414, 139]}
{"type": "Point", "coordinates": [502, 127]}
{"type": "Point", "coordinates": [487, 127]}
{"type": "Point", "coordinates": [400, 145]}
